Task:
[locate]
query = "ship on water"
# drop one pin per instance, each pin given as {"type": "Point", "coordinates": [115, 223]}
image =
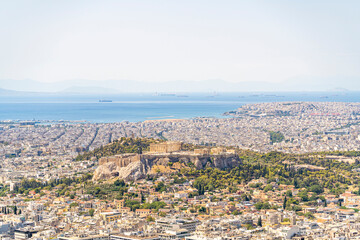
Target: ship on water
{"type": "Point", "coordinates": [105, 100]}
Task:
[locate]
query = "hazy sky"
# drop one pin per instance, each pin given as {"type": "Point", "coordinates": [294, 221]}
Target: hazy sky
{"type": "Point", "coordinates": [179, 40]}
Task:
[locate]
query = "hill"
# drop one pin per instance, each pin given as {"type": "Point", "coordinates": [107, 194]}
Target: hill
{"type": "Point", "coordinates": [122, 145]}
{"type": "Point", "coordinates": [316, 172]}
{"type": "Point", "coordinates": [311, 177]}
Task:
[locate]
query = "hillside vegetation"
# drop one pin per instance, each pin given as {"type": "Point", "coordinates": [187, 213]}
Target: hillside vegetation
{"type": "Point", "coordinates": [313, 172]}
{"type": "Point", "coordinates": [334, 177]}
{"type": "Point", "coordinates": [313, 175]}
{"type": "Point", "coordinates": [123, 145]}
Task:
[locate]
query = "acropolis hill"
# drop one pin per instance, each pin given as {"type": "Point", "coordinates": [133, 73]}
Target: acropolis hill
{"type": "Point", "coordinates": [133, 166]}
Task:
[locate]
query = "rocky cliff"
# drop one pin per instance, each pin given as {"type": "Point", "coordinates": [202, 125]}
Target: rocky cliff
{"type": "Point", "coordinates": [132, 167]}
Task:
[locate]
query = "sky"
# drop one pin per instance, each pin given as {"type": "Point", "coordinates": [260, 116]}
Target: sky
{"type": "Point", "coordinates": [192, 40]}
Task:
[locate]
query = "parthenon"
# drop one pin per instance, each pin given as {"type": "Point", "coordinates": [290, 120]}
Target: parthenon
{"type": "Point", "coordinates": [165, 147]}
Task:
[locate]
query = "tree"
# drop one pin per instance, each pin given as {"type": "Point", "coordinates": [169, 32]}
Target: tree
{"type": "Point", "coordinates": [276, 137]}
{"type": "Point", "coordinates": [259, 222]}
{"type": "Point", "coordinates": [119, 182]}
{"type": "Point", "coordinates": [289, 193]}
{"type": "Point", "coordinates": [316, 189]}
{"type": "Point", "coordinates": [160, 187]}
{"type": "Point", "coordinates": [358, 191]}
{"type": "Point", "coordinates": [284, 204]}
{"type": "Point", "coordinates": [296, 183]}
{"type": "Point", "coordinates": [132, 204]}
{"type": "Point", "coordinates": [309, 215]}
{"type": "Point", "coordinates": [268, 187]}
{"type": "Point", "coordinates": [202, 209]}
{"type": "Point", "coordinates": [249, 226]}
{"type": "Point", "coordinates": [74, 204]}
{"type": "Point", "coordinates": [236, 212]}
{"type": "Point", "coordinates": [244, 197]}
{"type": "Point", "coordinates": [149, 218]}
{"type": "Point", "coordinates": [91, 212]}
{"type": "Point", "coordinates": [304, 196]}
{"type": "Point", "coordinates": [262, 205]}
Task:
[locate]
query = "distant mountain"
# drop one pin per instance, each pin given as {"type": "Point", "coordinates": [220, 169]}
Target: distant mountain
{"type": "Point", "coordinates": [6, 92]}
{"type": "Point", "coordinates": [2, 91]}
{"type": "Point", "coordinates": [304, 83]}
{"type": "Point", "coordinates": [90, 90]}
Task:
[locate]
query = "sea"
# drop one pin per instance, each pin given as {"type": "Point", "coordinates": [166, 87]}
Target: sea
{"type": "Point", "coordinates": [146, 106]}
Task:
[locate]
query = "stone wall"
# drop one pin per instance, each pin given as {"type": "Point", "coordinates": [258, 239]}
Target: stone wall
{"type": "Point", "coordinates": [225, 160]}
{"type": "Point", "coordinates": [121, 160]}
{"type": "Point", "coordinates": [200, 161]}
{"type": "Point", "coordinates": [134, 166]}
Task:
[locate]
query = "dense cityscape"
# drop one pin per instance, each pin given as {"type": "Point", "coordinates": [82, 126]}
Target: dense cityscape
{"type": "Point", "coordinates": [265, 171]}
{"type": "Point", "coordinates": [179, 120]}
